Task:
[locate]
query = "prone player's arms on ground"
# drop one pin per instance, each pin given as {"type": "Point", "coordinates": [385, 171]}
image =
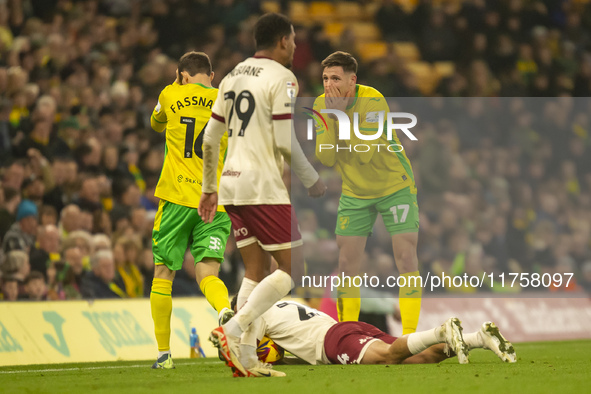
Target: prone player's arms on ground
{"type": "Point", "coordinates": [158, 119]}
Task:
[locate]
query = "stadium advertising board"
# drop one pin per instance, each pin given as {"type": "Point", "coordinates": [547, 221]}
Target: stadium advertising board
{"type": "Point", "coordinates": [79, 331]}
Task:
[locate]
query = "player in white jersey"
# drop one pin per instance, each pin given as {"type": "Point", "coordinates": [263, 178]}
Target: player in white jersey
{"type": "Point", "coordinates": [255, 106]}
{"type": "Point", "coordinates": [317, 338]}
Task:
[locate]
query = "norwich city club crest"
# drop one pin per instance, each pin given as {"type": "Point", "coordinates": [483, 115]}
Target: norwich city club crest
{"type": "Point", "coordinates": [343, 222]}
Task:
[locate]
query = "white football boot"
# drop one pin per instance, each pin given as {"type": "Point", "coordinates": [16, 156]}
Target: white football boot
{"type": "Point", "coordinates": [452, 330]}
{"type": "Point", "coordinates": [492, 339]}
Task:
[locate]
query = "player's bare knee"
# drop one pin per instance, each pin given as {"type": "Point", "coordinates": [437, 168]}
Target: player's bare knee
{"type": "Point", "coordinates": [348, 264]}
{"type": "Point", "coordinates": [406, 260]}
{"type": "Point", "coordinates": [163, 272]}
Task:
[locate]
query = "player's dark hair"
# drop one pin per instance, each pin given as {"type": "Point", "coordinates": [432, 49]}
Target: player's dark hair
{"type": "Point", "coordinates": [195, 63]}
{"type": "Point", "coordinates": [341, 59]}
{"type": "Point", "coordinates": [269, 29]}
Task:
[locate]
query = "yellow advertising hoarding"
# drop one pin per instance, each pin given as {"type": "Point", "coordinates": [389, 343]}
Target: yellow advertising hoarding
{"type": "Point", "coordinates": [81, 331]}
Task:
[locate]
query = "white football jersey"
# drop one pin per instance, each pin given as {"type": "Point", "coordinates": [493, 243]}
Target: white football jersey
{"type": "Point", "coordinates": [256, 92]}
{"type": "Point", "coordinates": [295, 327]}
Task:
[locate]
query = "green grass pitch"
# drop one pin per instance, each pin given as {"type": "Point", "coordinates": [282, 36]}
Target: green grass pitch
{"type": "Point", "coordinates": [543, 367]}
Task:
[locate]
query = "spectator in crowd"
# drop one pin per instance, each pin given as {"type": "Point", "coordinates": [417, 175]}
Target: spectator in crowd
{"type": "Point", "coordinates": [62, 282]}
{"type": "Point", "coordinates": [101, 242]}
{"type": "Point", "coordinates": [16, 265]}
{"type": "Point", "coordinates": [48, 248]}
{"type": "Point", "coordinates": [98, 283]}
{"type": "Point", "coordinates": [21, 235]}
{"type": "Point", "coordinates": [78, 116]}
{"type": "Point", "coordinates": [47, 215]}
{"type": "Point", "coordinates": [9, 288]}
{"type": "Point", "coordinates": [12, 199]}
{"type": "Point", "coordinates": [69, 220]}
{"type": "Point", "coordinates": [35, 287]}
{"type": "Point", "coordinates": [126, 254]}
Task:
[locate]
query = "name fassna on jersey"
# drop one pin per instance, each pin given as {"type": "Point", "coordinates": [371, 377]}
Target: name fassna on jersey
{"type": "Point", "coordinates": [246, 70]}
{"type": "Point", "coordinates": [188, 101]}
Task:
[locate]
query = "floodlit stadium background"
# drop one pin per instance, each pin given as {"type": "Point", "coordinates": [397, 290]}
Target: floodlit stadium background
{"type": "Point", "coordinates": [79, 80]}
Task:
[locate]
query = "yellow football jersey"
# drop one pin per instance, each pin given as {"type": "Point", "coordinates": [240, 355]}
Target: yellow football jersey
{"type": "Point", "coordinates": [184, 110]}
{"type": "Point", "coordinates": [376, 172]}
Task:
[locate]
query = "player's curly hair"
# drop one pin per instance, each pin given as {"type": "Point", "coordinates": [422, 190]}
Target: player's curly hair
{"type": "Point", "coordinates": [195, 63]}
{"type": "Point", "coordinates": [269, 29]}
{"type": "Point", "coordinates": [341, 59]}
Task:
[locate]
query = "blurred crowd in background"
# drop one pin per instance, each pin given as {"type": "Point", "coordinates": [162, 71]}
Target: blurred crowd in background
{"type": "Point", "coordinates": [501, 190]}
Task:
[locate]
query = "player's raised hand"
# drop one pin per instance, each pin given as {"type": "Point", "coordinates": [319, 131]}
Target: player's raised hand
{"type": "Point", "coordinates": [208, 206]}
{"type": "Point", "coordinates": [318, 189]}
{"type": "Point", "coordinates": [334, 99]}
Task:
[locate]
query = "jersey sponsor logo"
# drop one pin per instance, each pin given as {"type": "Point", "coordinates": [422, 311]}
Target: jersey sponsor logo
{"type": "Point", "coordinates": [291, 89]}
{"type": "Point", "coordinates": [184, 179]}
{"type": "Point", "coordinates": [215, 243]}
{"type": "Point", "coordinates": [232, 173]}
{"type": "Point", "coordinates": [344, 222]}
{"type": "Point", "coordinates": [374, 117]}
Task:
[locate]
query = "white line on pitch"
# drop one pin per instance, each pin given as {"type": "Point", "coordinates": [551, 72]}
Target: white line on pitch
{"type": "Point", "coordinates": [92, 368]}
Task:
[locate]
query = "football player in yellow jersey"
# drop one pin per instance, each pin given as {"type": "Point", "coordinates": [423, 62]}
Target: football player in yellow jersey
{"type": "Point", "coordinates": [183, 109]}
{"type": "Point", "coordinates": [374, 181]}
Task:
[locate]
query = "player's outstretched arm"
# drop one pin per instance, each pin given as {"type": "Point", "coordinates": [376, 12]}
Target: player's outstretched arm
{"type": "Point", "coordinates": [211, 153]}
{"type": "Point", "coordinates": [318, 189]}
{"type": "Point", "coordinates": [290, 149]}
{"type": "Point", "coordinates": [208, 206]}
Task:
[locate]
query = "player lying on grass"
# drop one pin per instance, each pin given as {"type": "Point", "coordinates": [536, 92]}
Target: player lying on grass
{"type": "Point", "coordinates": [317, 338]}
